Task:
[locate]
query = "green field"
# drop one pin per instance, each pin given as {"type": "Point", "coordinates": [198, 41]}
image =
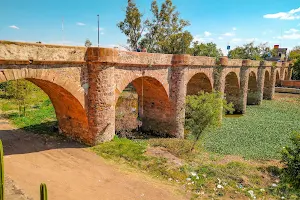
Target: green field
{"type": "Point", "coordinates": [39, 117]}
{"type": "Point", "coordinates": [260, 133]}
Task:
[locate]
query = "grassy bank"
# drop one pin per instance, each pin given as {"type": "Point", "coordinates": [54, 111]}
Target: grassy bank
{"type": "Point", "coordinates": [203, 175]}
{"type": "Point", "coordinates": [39, 116]}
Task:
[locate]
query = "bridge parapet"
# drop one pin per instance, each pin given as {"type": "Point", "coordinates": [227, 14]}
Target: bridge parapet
{"type": "Point", "coordinates": [40, 52]}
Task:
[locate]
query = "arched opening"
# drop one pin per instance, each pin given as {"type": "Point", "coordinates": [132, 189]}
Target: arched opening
{"type": "Point", "coordinates": [267, 86]}
{"type": "Point", "coordinates": [232, 89]}
{"type": "Point", "coordinates": [70, 114]}
{"type": "Point", "coordinates": [278, 82]}
{"type": "Point", "coordinates": [252, 96]}
{"type": "Point", "coordinates": [199, 82]}
{"type": "Point", "coordinates": [147, 109]}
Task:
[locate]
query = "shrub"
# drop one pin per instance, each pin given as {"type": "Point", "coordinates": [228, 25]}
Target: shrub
{"type": "Point", "coordinates": [291, 159]}
{"type": "Point", "coordinates": [204, 111]}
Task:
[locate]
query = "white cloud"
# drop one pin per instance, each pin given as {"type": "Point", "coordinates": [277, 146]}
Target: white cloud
{"type": "Point", "coordinates": [251, 39]}
{"type": "Point", "coordinates": [236, 40]}
{"type": "Point", "coordinates": [14, 27]}
{"type": "Point", "coordinates": [293, 36]}
{"type": "Point", "coordinates": [229, 34]}
{"type": "Point", "coordinates": [292, 30]}
{"type": "Point", "coordinates": [291, 15]}
{"type": "Point", "coordinates": [80, 24]}
{"type": "Point", "coordinates": [207, 34]}
{"type": "Point", "coordinates": [234, 29]}
{"type": "Point", "coordinates": [220, 38]}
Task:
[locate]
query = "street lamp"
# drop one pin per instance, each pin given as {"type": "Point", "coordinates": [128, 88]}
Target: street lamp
{"type": "Point", "coordinates": [98, 30]}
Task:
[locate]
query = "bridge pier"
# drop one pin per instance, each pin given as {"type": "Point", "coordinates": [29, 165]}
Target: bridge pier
{"type": "Point", "coordinates": [244, 79]}
{"type": "Point", "coordinates": [101, 102]}
{"type": "Point", "coordinates": [260, 84]}
{"type": "Point", "coordinates": [177, 96]}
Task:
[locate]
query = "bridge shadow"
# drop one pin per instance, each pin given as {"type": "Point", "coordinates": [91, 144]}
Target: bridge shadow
{"type": "Point", "coordinates": [23, 141]}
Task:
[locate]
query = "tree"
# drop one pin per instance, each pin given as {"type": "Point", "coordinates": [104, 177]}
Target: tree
{"type": "Point", "coordinates": [132, 25]}
{"type": "Point", "coordinates": [296, 70]}
{"type": "Point", "coordinates": [208, 49]}
{"type": "Point", "coordinates": [203, 111]}
{"type": "Point", "coordinates": [295, 53]}
{"type": "Point", "coordinates": [20, 90]}
{"type": "Point", "coordinates": [165, 31]}
{"type": "Point", "coordinates": [250, 51]}
{"type": "Point", "coordinates": [88, 43]}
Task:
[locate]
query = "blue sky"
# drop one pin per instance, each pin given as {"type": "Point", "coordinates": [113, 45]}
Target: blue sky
{"type": "Point", "coordinates": [233, 22]}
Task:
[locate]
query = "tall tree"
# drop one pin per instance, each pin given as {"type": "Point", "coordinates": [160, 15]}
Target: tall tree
{"type": "Point", "coordinates": [132, 25]}
{"type": "Point", "coordinates": [87, 43]}
{"type": "Point", "coordinates": [165, 31]}
{"type": "Point", "coordinates": [208, 49]}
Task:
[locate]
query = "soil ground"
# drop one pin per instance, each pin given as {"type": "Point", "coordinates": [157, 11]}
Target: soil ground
{"type": "Point", "coordinates": [70, 171]}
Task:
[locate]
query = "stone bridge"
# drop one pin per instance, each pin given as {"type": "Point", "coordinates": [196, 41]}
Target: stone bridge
{"type": "Point", "coordinates": [84, 84]}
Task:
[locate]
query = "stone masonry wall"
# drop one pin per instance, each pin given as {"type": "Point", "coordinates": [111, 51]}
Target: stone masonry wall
{"type": "Point", "coordinates": [84, 84]}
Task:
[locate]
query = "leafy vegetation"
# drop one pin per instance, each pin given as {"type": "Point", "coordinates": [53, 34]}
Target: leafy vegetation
{"type": "Point", "coordinates": [204, 111]}
{"type": "Point", "coordinates": [132, 26]}
{"type": "Point", "coordinates": [164, 31]}
{"type": "Point", "coordinates": [87, 43]}
{"type": "Point", "coordinates": [209, 49]}
{"type": "Point", "coordinates": [39, 116]}
{"type": "Point", "coordinates": [250, 51]}
{"type": "Point", "coordinates": [291, 160]}
{"type": "Point", "coordinates": [295, 53]}
{"type": "Point", "coordinates": [260, 133]}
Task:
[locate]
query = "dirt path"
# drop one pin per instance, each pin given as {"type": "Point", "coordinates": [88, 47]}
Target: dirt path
{"type": "Point", "coordinates": [70, 171]}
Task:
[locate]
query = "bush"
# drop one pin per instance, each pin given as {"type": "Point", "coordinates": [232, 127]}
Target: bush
{"type": "Point", "coordinates": [291, 159]}
{"type": "Point", "coordinates": [204, 111]}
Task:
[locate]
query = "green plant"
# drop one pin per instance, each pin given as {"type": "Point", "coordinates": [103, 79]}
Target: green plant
{"type": "Point", "coordinates": [43, 192]}
{"type": "Point", "coordinates": [203, 111]}
{"type": "Point", "coordinates": [291, 159]}
{"type": "Point", "coordinates": [2, 172]}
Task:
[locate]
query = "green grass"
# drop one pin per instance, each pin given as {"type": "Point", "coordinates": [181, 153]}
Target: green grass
{"type": "Point", "coordinates": [39, 117]}
{"type": "Point", "coordinates": [39, 120]}
{"type": "Point", "coordinates": [259, 134]}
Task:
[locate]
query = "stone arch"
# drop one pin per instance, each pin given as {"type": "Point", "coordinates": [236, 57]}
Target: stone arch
{"type": "Point", "coordinates": [232, 89]}
{"type": "Point", "coordinates": [199, 82]}
{"type": "Point", "coordinates": [278, 82]}
{"type": "Point", "coordinates": [126, 76]}
{"type": "Point", "coordinates": [267, 86]}
{"type": "Point", "coordinates": [154, 106]}
{"type": "Point", "coordinates": [67, 101]}
{"type": "Point", "coordinates": [252, 89]}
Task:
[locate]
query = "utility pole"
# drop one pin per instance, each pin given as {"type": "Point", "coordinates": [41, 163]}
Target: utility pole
{"type": "Point", "coordinates": [98, 30]}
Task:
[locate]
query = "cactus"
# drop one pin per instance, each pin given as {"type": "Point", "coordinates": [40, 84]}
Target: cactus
{"type": "Point", "coordinates": [2, 172]}
{"type": "Point", "coordinates": [43, 192]}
